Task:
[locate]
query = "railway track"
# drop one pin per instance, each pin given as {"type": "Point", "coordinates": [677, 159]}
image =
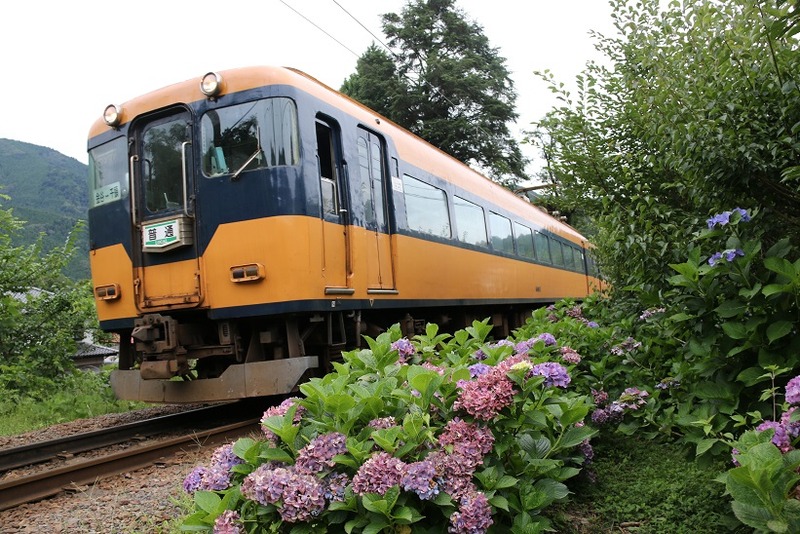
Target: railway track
{"type": "Point", "coordinates": [207, 426]}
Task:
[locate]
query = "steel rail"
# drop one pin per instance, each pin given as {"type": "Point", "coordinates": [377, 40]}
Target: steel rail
{"type": "Point", "coordinates": [46, 484]}
{"type": "Point", "coordinates": [43, 451]}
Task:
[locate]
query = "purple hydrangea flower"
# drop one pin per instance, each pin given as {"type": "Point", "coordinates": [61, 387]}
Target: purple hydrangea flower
{"type": "Point", "coordinates": [317, 456]}
{"type": "Point", "coordinates": [404, 348]}
{"type": "Point", "coordinates": [420, 478]}
{"type": "Point", "coordinates": [576, 312]}
{"type": "Point", "coordinates": [792, 427]}
{"type": "Point", "coordinates": [282, 409]}
{"type": "Point", "coordinates": [454, 473]}
{"type": "Point", "coordinates": [626, 346]}
{"type": "Point", "coordinates": [780, 438]}
{"type": "Point", "coordinates": [378, 474]}
{"type": "Point", "coordinates": [265, 485]}
{"type": "Point", "coordinates": [193, 480]}
{"type": "Point", "coordinates": [479, 355]}
{"type": "Point", "coordinates": [793, 391]}
{"type": "Point", "coordinates": [524, 346]}
{"type": "Point", "coordinates": [228, 522]}
{"type": "Point", "coordinates": [474, 516]}
{"type": "Point", "coordinates": [216, 479]}
{"type": "Point", "coordinates": [648, 313]}
{"type": "Point", "coordinates": [592, 324]}
{"type": "Point", "coordinates": [471, 440]}
{"type": "Point", "coordinates": [335, 485]}
{"type": "Point", "coordinates": [478, 369]}
{"type": "Point", "coordinates": [549, 339]}
{"type": "Point", "coordinates": [224, 458]}
{"type": "Point", "coordinates": [668, 383]}
{"type": "Point", "coordinates": [633, 398]}
{"type": "Point", "coordinates": [303, 498]}
{"type": "Point", "coordinates": [570, 355]}
{"type": "Point", "coordinates": [382, 422]}
{"type": "Point", "coordinates": [555, 374]}
{"type": "Point", "coordinates": [600, 397]}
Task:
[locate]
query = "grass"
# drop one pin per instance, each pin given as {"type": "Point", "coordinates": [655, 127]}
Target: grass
{"type": "Point", "coordinates": [84, 394]}
{"type": "Point", "coordinates": [645, 487]}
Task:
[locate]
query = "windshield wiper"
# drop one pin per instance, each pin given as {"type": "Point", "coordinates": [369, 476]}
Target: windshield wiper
{"type": "Point", "coordinates": [257, 153]}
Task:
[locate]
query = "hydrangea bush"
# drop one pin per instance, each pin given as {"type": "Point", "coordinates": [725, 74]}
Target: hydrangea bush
{"type": "Point", "coordinates": [764, 480]}
{"type": "Point", "coordinates": [436, 434]}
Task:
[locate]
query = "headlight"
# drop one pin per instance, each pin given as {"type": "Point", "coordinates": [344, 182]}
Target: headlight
{"type": "Point", "coordinates": [211, 84]}
{"type": "Point", "coordinates": [112, 115]}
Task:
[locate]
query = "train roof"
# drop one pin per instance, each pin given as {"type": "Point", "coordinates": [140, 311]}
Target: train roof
{"type": "Point", "coordinates": [410, 147]}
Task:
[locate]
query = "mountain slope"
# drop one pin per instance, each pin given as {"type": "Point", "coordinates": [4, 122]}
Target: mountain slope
{"type": "Point", "coordinates": [50, 192]}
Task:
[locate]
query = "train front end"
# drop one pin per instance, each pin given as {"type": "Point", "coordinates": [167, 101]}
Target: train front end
{"type": "Point", "coordinates": [196, 188]}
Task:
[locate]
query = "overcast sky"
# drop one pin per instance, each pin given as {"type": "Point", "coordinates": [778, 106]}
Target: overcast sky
{"type": "Point", "coordinates": [63, 62]}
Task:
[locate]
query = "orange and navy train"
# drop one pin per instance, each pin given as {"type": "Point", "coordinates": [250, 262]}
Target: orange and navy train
{"type": "Point", "coordinates": [247, 225]}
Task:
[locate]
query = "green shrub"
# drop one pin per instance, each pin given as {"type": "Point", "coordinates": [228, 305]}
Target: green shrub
{"type": "Point", "coordinates": [442, 431]}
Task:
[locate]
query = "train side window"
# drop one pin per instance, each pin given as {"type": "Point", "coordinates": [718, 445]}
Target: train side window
{"type": "Point", "coordinates": [108, 172]}
{"type": "Point", "coordinates": [569, 257]}
{"type": "Point", "coordinates": [327, 168]}
{"type": "Point", "coordinates": [250, 136]}
{"type": "Point", "coordinates": [470, 222]}
{"type": "Point", "coordinates": [541, 245]}
{"type": "Point", "coordinates": [502, 239]}
{"type": "Point", "coordinates": [524, 237]}
{"type": "Point", "coordinates": [578, 258]}
{"type": "Point", "coordinates": [426, 207]}
{"type": "Point", "coordinates": [557, 254]}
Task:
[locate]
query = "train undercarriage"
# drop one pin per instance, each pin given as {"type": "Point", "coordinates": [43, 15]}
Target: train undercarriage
{"type": "Point", "coordinates": [194, 359]}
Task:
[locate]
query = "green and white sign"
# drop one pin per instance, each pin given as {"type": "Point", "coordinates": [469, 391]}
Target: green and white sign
{"type": "Point", "coordinates": [161, 234]}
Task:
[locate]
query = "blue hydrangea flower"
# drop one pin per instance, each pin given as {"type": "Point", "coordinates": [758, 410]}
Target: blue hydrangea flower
{"type": "Point", "coordinates": [719, 219]}
{"type": "Point", "coordinates": [549, 339]}
{"type": "Point", "coordinates": [731, 254]}
{"type": "Point", "coordinates": [420, 477]}
{"type": "Point", "coordinates": [555, 374]}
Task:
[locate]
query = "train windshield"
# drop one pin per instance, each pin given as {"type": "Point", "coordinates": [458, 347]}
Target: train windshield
{"type": "Point", "coordinates": [108, 172]}
{"type": "Point", "coordinates": [250, 136]}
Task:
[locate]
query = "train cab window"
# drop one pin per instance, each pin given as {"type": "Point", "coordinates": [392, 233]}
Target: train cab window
{"type": "Point", "coordinates": [327, 168]}
{"type": "Point", "coordinates": [524, 237]}
{"type": "Point", "coordinates": [108, 172]}
{"type": "Point", "coordinates": [541, 244]}
{"type": "Point", "coordinates": [470, 222]}
{"type": "Point", "coordinates": [250, 136]}
{"type": "Point", "coordinates": [426, 207]}
{"type": "Point", "coordinates": [502, 239]}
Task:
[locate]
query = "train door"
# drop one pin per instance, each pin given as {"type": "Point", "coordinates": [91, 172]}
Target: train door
{"type": "Point", "coordinates": [335, 234]}
{"type": "Point", "coordinates": [378, 251]}
{"type": "Point", "coordinates": [167, 272]}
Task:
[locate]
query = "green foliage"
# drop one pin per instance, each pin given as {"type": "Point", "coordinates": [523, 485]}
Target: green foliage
{"type": "Point", "coordinates": [404, 399]}
{"type": "Point", "coordinates": [42, 314]}
{"type": "Point", "coordinates": [764, 483]}
{"type": "Point", "coordinates": [442, 81]}
{"type": "Point", "coordinates": [697, 111]}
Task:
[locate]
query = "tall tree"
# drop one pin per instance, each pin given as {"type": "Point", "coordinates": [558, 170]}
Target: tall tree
{"type": "Point", "coordinates": [443, 81]}
{"type": "Point", "coordinates": [695, 111]}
